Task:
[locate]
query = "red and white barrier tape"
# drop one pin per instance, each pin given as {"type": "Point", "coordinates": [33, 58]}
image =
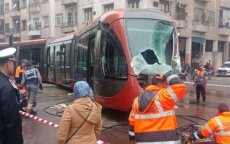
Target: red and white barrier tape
{"type": "Point", "coordinates": [48, 123]}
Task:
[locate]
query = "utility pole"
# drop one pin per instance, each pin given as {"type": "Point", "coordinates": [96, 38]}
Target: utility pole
{"type": "Point", "coordinates": [11, 41]}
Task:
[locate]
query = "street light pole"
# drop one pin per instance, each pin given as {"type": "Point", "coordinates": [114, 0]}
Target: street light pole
{"type": "Point", "coordinates": [11, 41]}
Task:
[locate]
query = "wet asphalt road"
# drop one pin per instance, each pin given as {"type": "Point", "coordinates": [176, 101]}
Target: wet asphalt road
{"type": "Point", "coordinates": [115, 122]}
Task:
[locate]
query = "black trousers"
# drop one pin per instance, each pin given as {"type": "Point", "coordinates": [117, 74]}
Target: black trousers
{"type": "Point", "coordinates": [200, 89]}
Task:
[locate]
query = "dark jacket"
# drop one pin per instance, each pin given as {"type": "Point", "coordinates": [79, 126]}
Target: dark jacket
{"type": "Point", "coordinates": [10, 119]}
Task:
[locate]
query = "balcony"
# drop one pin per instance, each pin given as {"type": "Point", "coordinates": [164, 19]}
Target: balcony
{"type": "Point", "coordinates": [224, 3]}
{"type": "Point", "coordinates": [35, 7]}
{"type": "Point", "coordinates": [200, 28]}
{"type": "Point", "coordinates": [15, 14]}
{"type": "Point", "coordinates": [67, 27]}
{"type": "Point", "coordinates": [181, 24]}
{"type": "Point", "coordinates": [203, 1]}
{"type": "Point", "coordinates": [224, 29]}
{"type": "Point", "coordinates": [34, 30]}
{"type": "Point", "coordinates": [69, 3]}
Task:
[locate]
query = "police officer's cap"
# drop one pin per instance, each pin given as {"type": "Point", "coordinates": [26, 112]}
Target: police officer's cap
{"type": "Point", "coordinates": [8, 54]}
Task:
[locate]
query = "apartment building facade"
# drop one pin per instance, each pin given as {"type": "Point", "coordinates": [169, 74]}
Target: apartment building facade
{"type": "Point", "coordinates": [203, 25]}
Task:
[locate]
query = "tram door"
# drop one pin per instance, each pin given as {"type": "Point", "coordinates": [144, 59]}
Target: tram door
{"type": "Point", "coordinates": [50, 64]}
{"type": "Point", "coordinates": [62, 63]}
{"type": "Point", "coordinates": [91, 60]}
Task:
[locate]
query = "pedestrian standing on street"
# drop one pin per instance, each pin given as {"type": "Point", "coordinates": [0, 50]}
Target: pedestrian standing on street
{"type": "Point", "coordinates": [152, 119]}
{"type": "Point", "coordinates": [81, 121]}
{"type": "Point", "coordinates": [10, 119]}
{"type": "Point", "coordinates": [200, 81]}
{"type": "Point", "coordinates": [219, 126]}
{"type": "Point", "coordinates": [31, 79]}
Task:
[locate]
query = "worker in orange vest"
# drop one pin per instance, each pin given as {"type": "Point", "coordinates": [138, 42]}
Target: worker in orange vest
{"type": "Point", "coordinates": [219, 126]}
{"type": "Point", "coordinates": [152, 119]}
{"type": "Point", "coordinates": [200, 82]}
{"type": "Point", "coordinates": [18, 73]}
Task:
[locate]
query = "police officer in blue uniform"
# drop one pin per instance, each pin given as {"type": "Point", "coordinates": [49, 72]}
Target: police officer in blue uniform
{"type": "Point", "coordinates": [10, 119]}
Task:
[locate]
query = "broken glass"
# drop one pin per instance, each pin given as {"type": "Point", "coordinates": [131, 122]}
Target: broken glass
{"type": "Point", "coordinates": [151, 44]}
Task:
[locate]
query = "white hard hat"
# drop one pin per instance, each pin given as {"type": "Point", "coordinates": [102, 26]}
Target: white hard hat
{"type": "Point", "coordinates": [8, 53]}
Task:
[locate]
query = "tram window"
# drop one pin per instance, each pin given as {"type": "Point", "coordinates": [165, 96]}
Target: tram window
{"type": "Point", "coordinates": [32, 54]}
{"type": "Point", "coordinates": [113, 61]}
{"type": "Point", "coordinates": [81, 59]}
{"type": "Point", "coordinates": [36, 57]}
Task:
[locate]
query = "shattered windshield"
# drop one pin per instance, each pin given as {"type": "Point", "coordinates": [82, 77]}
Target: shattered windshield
{"type": "Point", "coordinates": [151, 45]}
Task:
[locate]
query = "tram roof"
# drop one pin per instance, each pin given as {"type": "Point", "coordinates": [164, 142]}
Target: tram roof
{"type": "Point", "coordinates": [114, 15]}
{"type": "Point", "coordinates": [67, 37]}
{"type": "Point", "coordinates": [24, 43]}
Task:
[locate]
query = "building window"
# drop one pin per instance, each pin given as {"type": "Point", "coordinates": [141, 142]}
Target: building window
{"type": "Point", "coordinates": [23, 4]}
{"type": "Point", "coordinates": [1, 7]}
{"type": "Point", "coordinates": [1, 26]}
{"type": "Point", "coordinates": [58, 19]}
{"type": "Point", "coordinates": [208, 45]}
{"type": "Point", "coordinates": [16, 25]}
{"type": "Point", "coordinates": [181, 11]}
{"type": "Point", "coordinates": [46, 21]}
{"type": "Point", "coordinates": [211, 18]}
{"type": "Point", "coordinates": [199, 16]}
{"type": "Point", "coordinates": [7, 27]}
{"type": "Point", "coordinates": [88, 15]}
{"type": "Point", "coordinates": [24, 25]}
{"type": "Point", "coordinates": [224, 19]}
{"type": "Point", "coordinates": [164, 6]}
{"type": "Point", "coordinates": [15, 6]}
{"type": "Point", "coordinates": [108, 7]}
{"type": "Point", "coordinates": [7, 9]}
{"type": "Point", "coordinates": [70, 19]}
{"type": "Point", "coordinates": [133, 3]}
{"type": "Point", "coordinates": [155, 4]}
{"type": "Point", "coordinates": [221, 46]}
{"type": "Point", "coordinates": [75, 18]}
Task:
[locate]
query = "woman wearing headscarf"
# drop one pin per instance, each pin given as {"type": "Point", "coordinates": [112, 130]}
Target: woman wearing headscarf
{"type": "Point", "coordinates": [81, 120]}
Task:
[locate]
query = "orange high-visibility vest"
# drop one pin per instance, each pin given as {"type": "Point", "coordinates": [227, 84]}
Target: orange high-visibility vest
{"type": "Point", "coordinates": [18, 72]}
{"type": "Point", "coordinates": [201, 77]}
{"type": "Point", "coordinates": [220, 127]}
{"type": "Point", "coordinates": [155, 121]}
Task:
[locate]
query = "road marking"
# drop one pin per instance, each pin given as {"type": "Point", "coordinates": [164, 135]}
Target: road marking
{"type": "Point", "coordinates": [211, 84]}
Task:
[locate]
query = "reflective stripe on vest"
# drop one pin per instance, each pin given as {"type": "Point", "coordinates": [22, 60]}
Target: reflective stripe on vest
{"type": "Point", "coordinates": [166, 142]}
{"type": "Point", "coordinates": [208, 128]}
{"type": "Point", "coordinates": [158, 104]}
{"type": "Point", "coordinates": [222, 133]}
{"type": "Point", "coordinates": [219, 123]}
{"type": "Point", "coordinates": [153, 116]}
{"type": "Point", "coordinates": [30, 74]}
{"type": "Point", "coordinates": [172, 94]}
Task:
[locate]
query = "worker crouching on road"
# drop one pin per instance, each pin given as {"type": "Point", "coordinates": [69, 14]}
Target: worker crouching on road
{"type": "Point", "coordinates": [219, 126]}
{"type": "Point", "coordinates": [152, 119]}
{"type": "Point", "coordinates": [81, 121]}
